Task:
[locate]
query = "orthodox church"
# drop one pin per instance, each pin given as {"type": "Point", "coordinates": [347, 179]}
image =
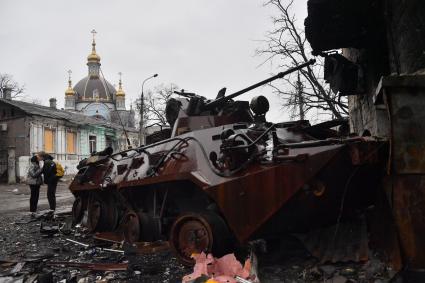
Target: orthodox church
{"type": "Point", "coordinates": [95, 117]}
{"type": "Point", "coordinates": [94, 96]}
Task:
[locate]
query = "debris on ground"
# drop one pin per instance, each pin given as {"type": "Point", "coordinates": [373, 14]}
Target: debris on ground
{"type": "Point", "coordinates": [47, 248]}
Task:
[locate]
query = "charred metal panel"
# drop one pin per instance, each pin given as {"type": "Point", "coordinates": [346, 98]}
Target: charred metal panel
{"type": "Point", "coordinates": [405, 97]}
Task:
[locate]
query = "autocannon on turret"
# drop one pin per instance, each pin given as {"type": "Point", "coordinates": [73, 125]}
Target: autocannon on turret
{"type": "Point", "coordinates": [222, 106]}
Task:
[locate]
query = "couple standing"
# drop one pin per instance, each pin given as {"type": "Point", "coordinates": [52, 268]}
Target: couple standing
{"type": "Point", "coordinates": [35, 179]}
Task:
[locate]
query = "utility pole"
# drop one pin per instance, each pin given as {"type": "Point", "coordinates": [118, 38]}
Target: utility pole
{"type": "Point", "coordinates": [300, 98]}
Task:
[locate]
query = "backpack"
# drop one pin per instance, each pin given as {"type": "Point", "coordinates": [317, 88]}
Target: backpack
{"type": "Point", "coordinates": [59, 169]}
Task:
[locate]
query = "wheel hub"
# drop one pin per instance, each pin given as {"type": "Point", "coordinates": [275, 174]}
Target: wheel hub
{"type": "Point", "coordinates": [191, 234]}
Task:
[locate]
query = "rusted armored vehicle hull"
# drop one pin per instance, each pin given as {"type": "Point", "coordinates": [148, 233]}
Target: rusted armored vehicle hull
{"type": "Point", "coordinates": [226, 176]}
{"type": "Point", "coordinates": [173, 191]}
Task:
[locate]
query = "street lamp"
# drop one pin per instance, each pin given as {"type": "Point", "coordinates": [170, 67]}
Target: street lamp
{"type": "Point", "coordinates": [141, 129]}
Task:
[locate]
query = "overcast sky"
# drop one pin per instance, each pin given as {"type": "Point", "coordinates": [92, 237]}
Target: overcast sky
{"type": "Point", "coordinates": [200, 45]}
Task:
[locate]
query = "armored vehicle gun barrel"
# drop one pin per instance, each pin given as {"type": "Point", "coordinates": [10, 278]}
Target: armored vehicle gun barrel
{"type": "Point", "coordinates": [221, 100]}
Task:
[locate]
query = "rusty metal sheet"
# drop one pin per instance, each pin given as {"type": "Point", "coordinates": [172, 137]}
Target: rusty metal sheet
{"type": "Point", "coordinates": [365, 153]}
{"type": "Point", "coordinates": [141, 247]}
{"type": "Point", "coordinates": [91, 266]}
{"type": "Point", "coordinates": [406, 103]}
{"type": "Point", "coordinates": [247, 202]}
{"type": "Point", "coordinates": [152, 247]}
{"type": "Point", "coordinates": [409, 214]}
{"type": "Point", "coordinates": [113, 237]}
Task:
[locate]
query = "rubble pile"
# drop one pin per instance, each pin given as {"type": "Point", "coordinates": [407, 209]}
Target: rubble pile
{"type": "Point", "coordinates": [46, 249]}
{"type": "Point", "coordinates": [50, 249]}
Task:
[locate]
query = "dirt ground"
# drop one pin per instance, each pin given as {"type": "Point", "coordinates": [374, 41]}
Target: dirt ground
{"type": "Point", "coordinates": [15, 198]}
{"type": "Point", "coordinates": [40, 249]}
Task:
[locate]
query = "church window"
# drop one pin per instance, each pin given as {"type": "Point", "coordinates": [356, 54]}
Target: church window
{"type": "Point", "coordinates": [49, 140]}
{"type": "Point", "coordinates": [92, 143]}
{"type": "Point", "coordinates": [71, 139]}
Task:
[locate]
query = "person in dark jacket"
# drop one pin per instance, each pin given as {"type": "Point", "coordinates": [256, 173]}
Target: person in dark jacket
{"type": "Point", "coordinates": [34, 180]}
{"type": "Point", "coordinates": [50, 179]}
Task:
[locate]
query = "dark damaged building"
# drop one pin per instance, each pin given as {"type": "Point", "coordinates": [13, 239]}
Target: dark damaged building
{"type": "Point", "coordinates": [382, 70]}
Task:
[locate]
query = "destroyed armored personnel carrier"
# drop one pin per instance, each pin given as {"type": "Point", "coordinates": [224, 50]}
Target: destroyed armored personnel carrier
{"type": "Point", "coordinates": [226, 176]}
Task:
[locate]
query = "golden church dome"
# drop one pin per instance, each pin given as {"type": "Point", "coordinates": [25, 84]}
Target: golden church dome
{"type": "Point", "coordinates": [93, 57]}
{"type": "Point", "coordinates": [120, 91]}
{"type": "Point", "coordinates": [69, 90]}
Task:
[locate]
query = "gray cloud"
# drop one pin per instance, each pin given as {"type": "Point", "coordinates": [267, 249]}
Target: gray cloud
{"type": "Point", "coordinates": [201, 45]}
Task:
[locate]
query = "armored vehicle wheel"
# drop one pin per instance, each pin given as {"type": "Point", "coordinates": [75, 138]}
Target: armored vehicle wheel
{"type": "Point", "coordinates": [131, 227]}
{"type": "Point", "coordinates": [78, 208]}
{"type": "Point", "coordinates": [102, 214]}
{"type": "Point", "coordinates": [196, 233]}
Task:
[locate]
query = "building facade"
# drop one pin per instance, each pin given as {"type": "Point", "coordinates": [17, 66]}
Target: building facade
{"type": "Point", "coordinates": [26, 129]}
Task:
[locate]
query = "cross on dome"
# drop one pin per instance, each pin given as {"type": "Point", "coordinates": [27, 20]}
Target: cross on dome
{"type": "Point", "coordinates": [120, 91]}
{"type": "Point", "coordinates": [93, 57]}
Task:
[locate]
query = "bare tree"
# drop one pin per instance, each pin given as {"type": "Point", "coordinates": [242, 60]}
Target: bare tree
{"type": "Point", "coordinates": [155, 102]}
{"type": "Point", "coordinates": [7, 81]}
{"type": "Point", "coordinates": [287, 46]}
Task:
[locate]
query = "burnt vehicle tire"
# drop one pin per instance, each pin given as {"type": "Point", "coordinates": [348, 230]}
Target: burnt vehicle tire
{"type": "Point", "coordinates": [131, 227]}
{"type": "Point", "coordinates": [195, 233]}
{"type": "Point", "coordinates": [102, 214]}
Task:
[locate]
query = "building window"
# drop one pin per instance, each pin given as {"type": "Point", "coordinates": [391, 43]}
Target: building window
{"type": "Point", "coordinates": [92, 143]}
{"type": "Point", "coordinates": [71, 139]}
{"type": "Point", "coordinates": [49, 140]}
